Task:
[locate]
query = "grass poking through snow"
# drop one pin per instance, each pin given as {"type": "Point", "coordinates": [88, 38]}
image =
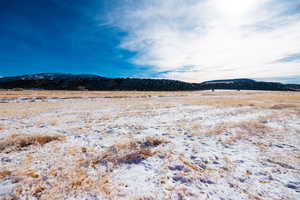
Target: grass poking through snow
{"type": "Point", "coordinates": [17, 142]}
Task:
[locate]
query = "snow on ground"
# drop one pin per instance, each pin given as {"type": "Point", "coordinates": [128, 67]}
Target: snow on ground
{"type": "Point", "coordinates": [203, 145]}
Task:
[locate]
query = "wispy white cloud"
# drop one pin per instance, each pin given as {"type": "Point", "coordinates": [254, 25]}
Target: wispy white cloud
{"type": "Point", "coordinates": [216, 39]}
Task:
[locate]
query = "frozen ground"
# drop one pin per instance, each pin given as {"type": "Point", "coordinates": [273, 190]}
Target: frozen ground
{"type": "Point", "coordinates": [144, 146]}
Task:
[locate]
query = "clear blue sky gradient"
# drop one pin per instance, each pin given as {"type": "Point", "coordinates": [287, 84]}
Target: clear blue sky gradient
{"type": "Point", "coordinates": [64, 36]}
{"type": "Point", "coordinates": [61, 36]}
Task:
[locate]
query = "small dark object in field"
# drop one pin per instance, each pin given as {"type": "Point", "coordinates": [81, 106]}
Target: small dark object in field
{"type": "Point", "coordinates": [176, 167]}
{"type": "Point", "coordinates": [206, 181]}
{"type": "Point", "coordinates": [151, 142]}
{"type": "Point", "coordinates": [182, 179]}
{"type": "Point", "coordinates": [281, 164]}
{"type": "Point", "coordinates": [293, 185]}
{"type": "Point", "coordinates": [193, 157]}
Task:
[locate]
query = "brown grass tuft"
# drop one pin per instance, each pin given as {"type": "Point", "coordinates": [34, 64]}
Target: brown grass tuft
{"type": "Point", "coordinates": [153, 142]}
{"type": "Point", "coordinates": [190, 165]}
{"type": "Point", "coordinates": [17, 142]}
{"type": "Point", "coordinates": [132, 152]}
{"type": "Point", "coordinates": [215, 131]}
{"type": "Point", "coordinates": [31, 174]}
{"type": "Point", "coordinates": [253, 127]}
{"type": "Point", "coordinates": [247, 129]}
{"type": "Point", "coordinates": [5, 173]}
{"type": "Point", "coordinates": [283, 106]}
{"type": "Point", "coordinates": [2, 127]}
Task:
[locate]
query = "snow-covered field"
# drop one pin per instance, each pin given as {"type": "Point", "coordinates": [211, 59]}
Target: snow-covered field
{"type": "Point", "coordinates": [149, 145]}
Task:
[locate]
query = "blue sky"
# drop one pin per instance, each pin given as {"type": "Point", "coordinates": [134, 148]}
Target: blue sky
{"type": "Point", "coordinates": [190, 40]}
{"type": "Point", "coordinates": [61, 36]}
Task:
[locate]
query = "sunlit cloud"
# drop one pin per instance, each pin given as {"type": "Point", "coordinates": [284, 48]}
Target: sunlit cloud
{"type": "Point", "coordinates": [197, 40]}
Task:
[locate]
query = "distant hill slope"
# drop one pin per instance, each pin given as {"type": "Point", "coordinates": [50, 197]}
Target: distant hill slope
{"type": "Point", "coordinates": [47, 76]}
{"type": "Point", "coordinates": [53, 81]}
{"type": "Point", "coordinates": [247, 84]}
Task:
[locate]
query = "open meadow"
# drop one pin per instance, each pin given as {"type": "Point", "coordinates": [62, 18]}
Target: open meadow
{"type": "Point", "coordinates": [149, 145]}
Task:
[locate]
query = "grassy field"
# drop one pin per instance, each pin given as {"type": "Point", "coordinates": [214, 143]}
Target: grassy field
{"type": "Point", "coordinates": [149, 145]}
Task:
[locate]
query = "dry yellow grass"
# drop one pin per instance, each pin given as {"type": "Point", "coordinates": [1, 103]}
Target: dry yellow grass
{"type": "Point", "coordinates": [76, 178]}
{"type": "Point", "coordinates": [190, 165]}
{"type": "Point", "coordinates": [5, 173]}
{"type": "Point", "coordinates": [143, 105]}
{"type": "Point", "coordinates": [138, 100]}
{"type": "Point", "coordinates": [29, 173]}
{"type": "Point", "coordinates": [196, 126]}
{"type": "Point", "coordinates": [16, 142]}
{"type": "Point", "coordinates": [252, 127]}
{"type": "Point", "coordinates": [215, 131]}
{"type": "Point", "coordinates": [126, 153]}
{"type": "Point", "coordinates": [47, 121]}
{"type": "Point", "coordinates": [2, 127]}
{"type": "Point", "coordinates": [43, 94]}
{"type": "Point", "coordinates": [284, 106]}
{"type": "Point", "coordinates": [254, 99]}
{"type": "Point", "coordinates": [259, 95]}
{"type": "Point", "coordinates": [82, 169]}
{"type": "Point", "coordinates": [243, 129]}
{"type": "Point", "coordinates": [234, 138]}
{"type": "Point", "coordinates": [246, 129]}
{"type": "Point", "coordinates": [219, 102]}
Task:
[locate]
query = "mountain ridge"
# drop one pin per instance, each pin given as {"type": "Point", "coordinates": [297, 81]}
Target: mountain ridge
{"type": "Point", "coordinates": [49, 76]}
{"type": "Point", "coordinates": [60, 81]}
